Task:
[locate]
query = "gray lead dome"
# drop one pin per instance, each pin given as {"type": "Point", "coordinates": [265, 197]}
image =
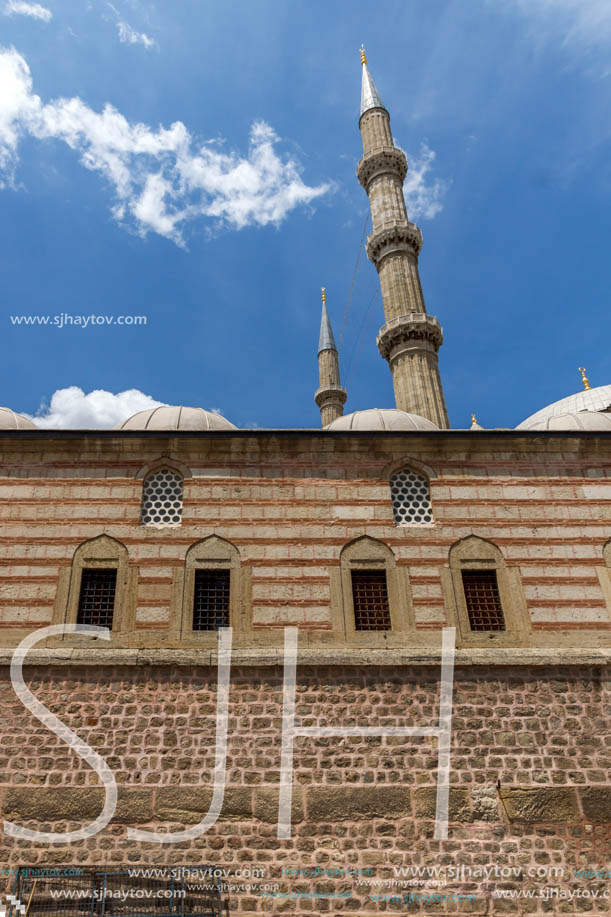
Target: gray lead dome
{"type": "Point", "coordinates": [174, 417]}
{"type": "Point", "coordinates": [390, 419]}
{"type": "Point", "coordinates": [579, 420]}
{"type": "Point", "coordinates": [9, 420]}
{"type": "Point", "coordinates": [594, 399]}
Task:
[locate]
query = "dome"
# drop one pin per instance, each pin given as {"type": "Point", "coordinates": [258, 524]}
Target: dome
{"type": "Point", "coordinates": [592, 399]}
{"type": "Point", "coordinates": [577, 420]}
{"type": "Point", "coordinates": [172, 417]}
{"type": "Point", "coordinates": [389, 419]}
{"type": "Point", "coordinates": [11, 421]}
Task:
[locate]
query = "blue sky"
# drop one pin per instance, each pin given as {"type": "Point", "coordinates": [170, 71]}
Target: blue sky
{"type": "Point", "coordinates": [194, 163]}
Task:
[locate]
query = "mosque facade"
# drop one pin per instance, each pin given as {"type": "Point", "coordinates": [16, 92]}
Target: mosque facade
{"type": "Point", "coordinates": [373, 536]}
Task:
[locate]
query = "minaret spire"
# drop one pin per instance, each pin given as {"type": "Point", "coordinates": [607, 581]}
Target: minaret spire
{"type": "Point", "coordinates": [370, 97]}
{"type": "Point", "coordinates": [410, 338]}
{"type": "Point", "coordinates": [331, 396]}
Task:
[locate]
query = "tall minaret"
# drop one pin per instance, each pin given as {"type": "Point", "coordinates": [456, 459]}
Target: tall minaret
{"type": "Point", "coordinates": [410, 338]}
{"type": "Point", "coordinates": [331, 396]}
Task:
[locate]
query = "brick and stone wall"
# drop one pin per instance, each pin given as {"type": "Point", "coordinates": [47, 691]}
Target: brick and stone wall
{"type": "Point", "coordinates": [531, 768]}
{"type": "Point", "coordinates": [290, 502]}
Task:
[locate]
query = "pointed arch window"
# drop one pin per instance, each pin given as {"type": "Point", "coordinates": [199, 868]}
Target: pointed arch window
{"type": "Point", "coordinates": [215, 591]}
{"type": "Point", "coordinates": [373, 594]}
{"type": "Point", "coordinates": [411, 497]}
{"type": "Point", "coordinates": [485, 594]}
{"type": "Point", "coordinates": [99, 588]}
{"type": "Point", "coordinates": [162, 497]}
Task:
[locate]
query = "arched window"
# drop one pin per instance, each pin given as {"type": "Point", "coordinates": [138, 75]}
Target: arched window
{"type": "Point", "coordinates": [411, 497]}
{"type": "Point", "coordinates": [214, 590]}
{"type": "Point", "coordinates": [101, 588]}
{"type": "Point", "coordinates": [162, 493]}
{"type": "Point", "coordinates": [486, 594]}
{"type": "Point", "coordinates": [376, 602]}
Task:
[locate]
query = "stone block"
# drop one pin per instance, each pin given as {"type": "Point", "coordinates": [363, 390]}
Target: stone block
{"type": "Point", "coordinates": [67, 802]}
{"type": "Point", "coordinates": [596, 803]}
{"type": "Point", "coordinates": [333, 803]}
{"type": "Point", "coordinates": [485, 802]}
{"type": "Point", "coordinates": [540, 805]}
{"type": "Point", "coordinates": [266, 804]}
{"type": "Point", "coordinates": [188, 805]}
{"type": "Point", "coordinates": [425, 803]}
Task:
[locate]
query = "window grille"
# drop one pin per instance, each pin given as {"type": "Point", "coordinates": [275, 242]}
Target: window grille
{"type": "Point", "coordinates": [117, 891]}
{"type": "Point", "coordinates": [483, 600]}
{"type": "Point", "coordinates": [211, 599]}
{"type": "Point", "coordinates": [97, 597]}
{"type": "Point", "coordinates": [162, 497]}
{"type": "Point", "coordinates": [411, 497]}
{"type": "Point", "coordinates": [370, 598]}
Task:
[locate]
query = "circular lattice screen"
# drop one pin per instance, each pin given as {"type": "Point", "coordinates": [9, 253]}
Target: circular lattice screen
{"type": "Point", "coordinates": [411, 497]}
{"type": "Point", "coordinates": [162, 497]}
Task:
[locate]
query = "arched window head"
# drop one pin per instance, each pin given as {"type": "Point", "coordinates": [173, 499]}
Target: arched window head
{"type": "Point", "coordinates": [162, 497]}
{"type": "Point", "coordinates": [411, 497]}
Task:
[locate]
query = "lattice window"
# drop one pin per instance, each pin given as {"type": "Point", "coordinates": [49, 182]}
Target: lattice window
{"type": "Point", "coordinates": [370, 599]}
{"type": "Point", "coordinates": [97, 597]}
{"type": "Point", "coordinates": [162, 497]}
{"type": "Point", "coordinates": [211, 599]}
{"type": "Point", "coordinates": [483, 600]}
{"type": "Point", "coordinates": [411, 497]}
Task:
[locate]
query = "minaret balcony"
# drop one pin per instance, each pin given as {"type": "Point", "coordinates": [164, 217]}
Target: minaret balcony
{"type": "Point", "coordinates": [392, 238]}
{"type": "Point", "coordinates": [381, 161]}
{"type": "Point", "coordinates": [330, 394]}
{"type": "Point", "coordinates": [405, 331]}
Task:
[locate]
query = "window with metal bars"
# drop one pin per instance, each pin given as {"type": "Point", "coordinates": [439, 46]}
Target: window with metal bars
{"type": "Point", "coordinates": [483, 600]}
{"type": "Point", "coordinates": [96, 602]}
{"type": "Point", "coordinates": [211, 599]}
{"type": "Point", "coordinates": [370, 600]}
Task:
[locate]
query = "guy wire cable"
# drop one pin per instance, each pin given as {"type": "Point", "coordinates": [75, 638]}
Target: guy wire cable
{"type": "Point", "coordinates": [356, 267]}
{"type": "Point", "coordinates": [358, 347]}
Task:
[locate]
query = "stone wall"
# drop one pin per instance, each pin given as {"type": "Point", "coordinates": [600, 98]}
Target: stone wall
{"type": "Point", "coordinates": [531, 768]}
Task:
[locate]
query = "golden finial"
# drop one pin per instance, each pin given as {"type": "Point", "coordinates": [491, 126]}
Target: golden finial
{"type": "Point", "coordinates": [363, 58]}
{"type": "Point", "coordinates": [584, 378]}
{"type": "Point", "coordinates": [323, 291]}
{"type": "Point", "coordinates": [473, 419]}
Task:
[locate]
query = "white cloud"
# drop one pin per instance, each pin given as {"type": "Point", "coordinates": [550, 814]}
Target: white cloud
{"type": "Point", "coordinates": [33, 10]}
{"type": "Point", "coordinates": [71, 409]}
{"type": "Point", "coordinates": [130, 35]}
{"type": "Point", "coordinates": [423, 195]}
{"type": "Point", "coordinates": [160, 181]}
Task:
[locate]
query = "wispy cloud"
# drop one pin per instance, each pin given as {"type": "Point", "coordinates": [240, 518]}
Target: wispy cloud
{"type": "Point", "coordinates": [71, 409]}
{"type": "Point", "coordinates": [586, 22]}
{"type": "Point", "coordinates": [33, 10]}
{"type": "Point", "coordinates": [160, 178]}
{"type": "Point", "coordinates": [423, 194]}
{"type": "Point", "coordinates": [130, 35]}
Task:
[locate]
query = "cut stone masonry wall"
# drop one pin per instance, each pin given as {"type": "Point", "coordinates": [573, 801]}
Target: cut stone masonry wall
{"type": "Point", "coordinates": [359, 803]}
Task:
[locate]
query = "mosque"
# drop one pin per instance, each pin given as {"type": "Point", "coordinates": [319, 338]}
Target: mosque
{"type": "Point", "coordinates": [370, 535]}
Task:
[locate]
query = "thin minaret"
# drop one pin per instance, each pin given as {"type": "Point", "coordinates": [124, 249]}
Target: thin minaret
{"type": "Point", "coordinates": [410, 338]}
{"type": "Point", "coordinates": [331, 396]}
